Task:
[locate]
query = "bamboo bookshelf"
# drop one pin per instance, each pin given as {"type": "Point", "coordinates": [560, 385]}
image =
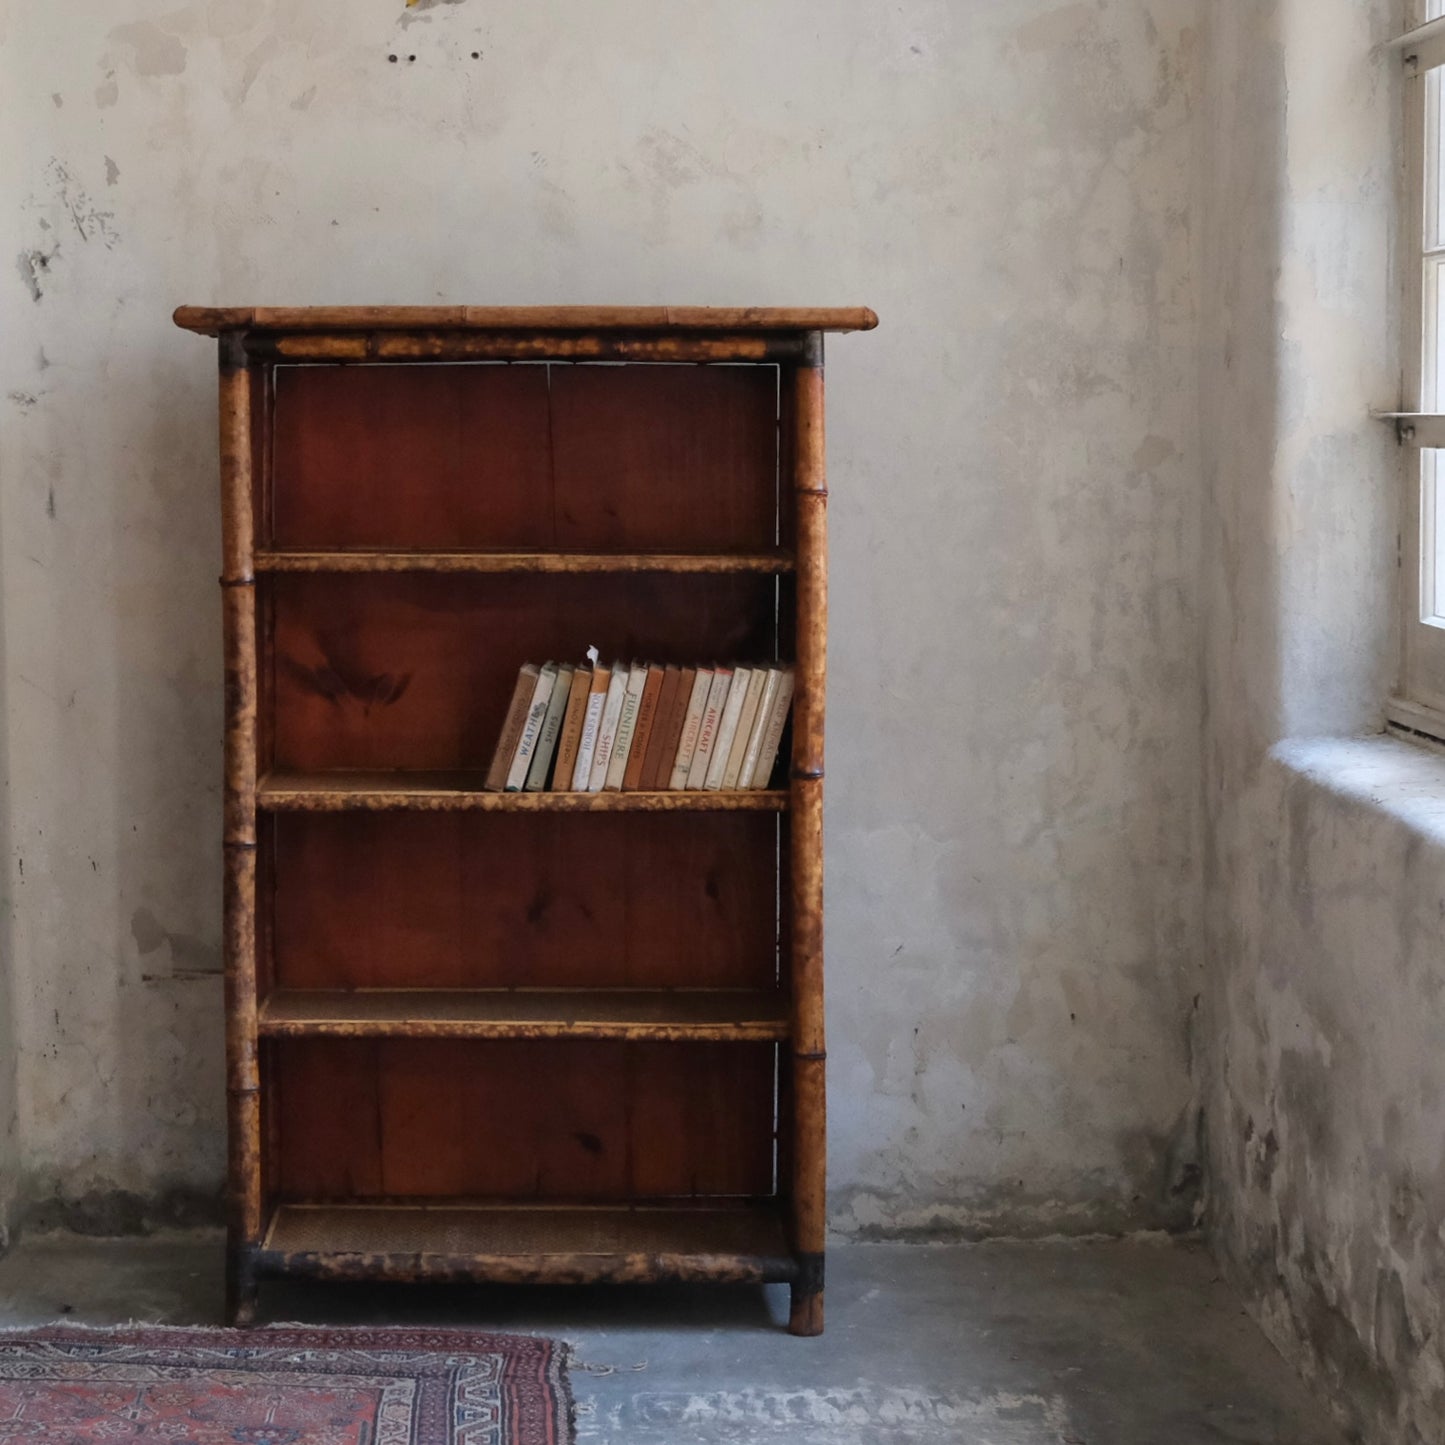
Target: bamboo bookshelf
{"type": "Point", "coordinates": [536, 1037]}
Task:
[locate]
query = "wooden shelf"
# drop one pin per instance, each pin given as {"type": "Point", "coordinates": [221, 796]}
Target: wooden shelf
{"type": "Point", "coordinates": [654, 1015]}
{"type": "Point", "coordinates": [541, 1244]}
{"type": "Point", "coordinates": [368, 560]}
{"type": "Point", "coordinates": [453, 792]}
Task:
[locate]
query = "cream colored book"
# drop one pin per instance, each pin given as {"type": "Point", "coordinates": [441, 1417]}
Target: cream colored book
{"type": "Point", "coordinates": [551, 728]}
{"type": "Point", "coordinates": [570, 738]}
{"type": "Point", "coordinates": [626, 727]}
{"type": "Point", "coordinates": [691, 722]}
{"type": "Point", "coordinates": [717, 698]}
{"type": "Point", "coordinates": [511, 735]}
{"type": "Point", "coordinates": [591, 726]}
{"type": "Point", "coordinates": [768, 755]}
{"type": "Point", "coordinates": [760, 726]}
{"type": "Point", "coordinates": [607, 733]}
{"type": "Point", "coordinates": [757, 681]}
{"type": "Point", "coordinates": [727, 727]}
{"type": "Point", "coordinates": [532, 728]}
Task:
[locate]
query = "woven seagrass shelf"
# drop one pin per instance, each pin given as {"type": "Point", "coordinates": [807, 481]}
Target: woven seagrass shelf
{"type": "Point", "coordinates": [537, 1037]}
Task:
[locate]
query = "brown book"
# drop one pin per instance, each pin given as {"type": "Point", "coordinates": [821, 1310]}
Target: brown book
{"type": "Point", "coordinates": [642, 729]}
{"type": "Point", "coordinates": [516, 720]}
{"type": "Point", "coordinates": [571, 734]}
{"type": "Point", "coordinates": [669, 735]}
{"type": "Point", "coordinates": [662, 719]}
{"type": "Point", "coordinates": [591, 726]}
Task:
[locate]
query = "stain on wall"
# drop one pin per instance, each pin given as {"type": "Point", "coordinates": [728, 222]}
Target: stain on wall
{"type": "Point", "coordinates": [1014, 909]}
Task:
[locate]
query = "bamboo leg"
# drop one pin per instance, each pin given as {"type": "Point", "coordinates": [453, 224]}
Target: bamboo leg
{"type": "Point", "coordinates": [809, 1153]}
{"type": "Point", "coordinates": [243, 1081]}
{"type": "Point", "coordinates": [242, 1290]}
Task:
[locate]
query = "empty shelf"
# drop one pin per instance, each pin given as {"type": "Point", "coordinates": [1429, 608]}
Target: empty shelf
{"type": "Point", "coordinates": [540, 1244]}
{"type": "Point", "coordinates": [660, 1015]}
{"type": "Point", "coordinates": [360, 559]}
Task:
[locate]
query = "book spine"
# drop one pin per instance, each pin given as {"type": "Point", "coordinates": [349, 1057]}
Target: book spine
{"type": "Point", "coordinates": [516, 720]}
{"type": "Point", "coordinates": [551, 729]}
{"type": "Point", "coordinates": [669, 728]}
{"type": "Point", "coordinates": [647, 711]}
{"type": "Point", "coordinates": [591, 726]}
{"type": "Point", "coordinates": [626, 727]}
{"type": "Point", "coordinates": [707, 732]}
{"type": "Point", "coordinates": [757, 681]}
{"type": "Point", "coordinates": [727, 726]}
{"type": "Point", "coordinates": [607, 730]}
{"type": "Point", "coordinates": [768, 756]}
{"type": "Point", "coordinates": [691, 722]}
{"type": "Point", "coordinates": [760, 727]}
{"type": "Point", "coordinates": [570, 737]}
{"type": "Point", "coordinates": [532, 729]}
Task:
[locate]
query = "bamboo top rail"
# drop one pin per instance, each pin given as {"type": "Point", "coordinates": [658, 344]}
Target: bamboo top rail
{"type": "Point", "coordinates": [213, 320]}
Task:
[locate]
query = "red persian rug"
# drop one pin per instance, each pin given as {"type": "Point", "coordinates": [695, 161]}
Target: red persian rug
{"type": "Point", "coordinates": [282, 1386]}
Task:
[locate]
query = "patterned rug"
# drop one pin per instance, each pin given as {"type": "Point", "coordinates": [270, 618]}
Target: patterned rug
{"type": "Point", "coordinates": [282, 1386]}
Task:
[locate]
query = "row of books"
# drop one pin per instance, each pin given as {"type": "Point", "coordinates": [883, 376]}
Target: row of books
{"type": "Point", "coordinates": [641, 726]}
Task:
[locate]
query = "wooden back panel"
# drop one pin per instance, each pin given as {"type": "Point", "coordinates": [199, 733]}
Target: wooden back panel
{"type": "Point", "coordinates": [459, 900]}
{"type": "Point", "coordinates": [369, 1119]}
{"type": "Point", "coordinates": [576, 458]}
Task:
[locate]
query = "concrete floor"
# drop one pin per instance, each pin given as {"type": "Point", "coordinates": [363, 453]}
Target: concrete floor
{"type": "Point", "coordinates": [1000, 1344]}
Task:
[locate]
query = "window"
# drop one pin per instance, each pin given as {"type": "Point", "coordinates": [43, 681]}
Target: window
{"type": "Point", "coordinates": [1422, 420]}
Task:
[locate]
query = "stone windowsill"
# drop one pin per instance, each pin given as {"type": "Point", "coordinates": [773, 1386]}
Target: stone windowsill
{"type": "Point", "coordinates": [1398, 779]}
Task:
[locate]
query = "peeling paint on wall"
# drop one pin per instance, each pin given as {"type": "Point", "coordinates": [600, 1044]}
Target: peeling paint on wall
{"type": "Point", "coordinates": [152, 51]}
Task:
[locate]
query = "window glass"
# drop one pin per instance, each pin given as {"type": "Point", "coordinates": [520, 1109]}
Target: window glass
{"type": "Point", "coordinates": [1434, 161]}
{"type": "Point", "coordinates": [1432, 554]}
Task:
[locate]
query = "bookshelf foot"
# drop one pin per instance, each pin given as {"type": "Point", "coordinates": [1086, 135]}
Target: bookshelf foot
{"type": "Point", "coordinates": [242, 1294]}
{"type": "Point", "coordinates": [806, 1316]}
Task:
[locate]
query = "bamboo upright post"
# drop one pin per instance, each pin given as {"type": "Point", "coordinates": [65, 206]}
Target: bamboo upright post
{"type": "Point", "coordinates": [809, 1151]}
{"type": "Point", "coordinates": [238, 592]}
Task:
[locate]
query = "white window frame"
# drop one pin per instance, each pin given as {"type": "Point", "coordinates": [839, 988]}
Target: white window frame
{"type": "Point", "coordinates": [1419, 705]}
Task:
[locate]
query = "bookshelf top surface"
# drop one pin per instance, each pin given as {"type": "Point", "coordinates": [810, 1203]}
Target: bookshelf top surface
{"type": "Point", "coordinates": [211, 320]}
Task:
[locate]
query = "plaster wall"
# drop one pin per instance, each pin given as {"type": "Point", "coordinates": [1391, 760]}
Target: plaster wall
{"type": "Point", "coordinates": [1013, 803]}
{"type": "Point", "coordinates": [1325, 891]}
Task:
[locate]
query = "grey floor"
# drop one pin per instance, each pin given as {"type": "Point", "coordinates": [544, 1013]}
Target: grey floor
{"type": "Point", "coordinates": [1056, 1344]}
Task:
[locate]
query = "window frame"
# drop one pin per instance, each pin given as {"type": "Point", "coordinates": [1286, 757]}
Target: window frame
{"type": "Point", "coordinates": [1419, 703]}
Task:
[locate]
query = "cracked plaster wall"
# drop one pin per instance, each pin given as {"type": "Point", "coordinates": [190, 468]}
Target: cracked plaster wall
{"type": "Point", "coordinates": [1013, 807]}
{"type": "Point", "coordinates": [1325, 870]}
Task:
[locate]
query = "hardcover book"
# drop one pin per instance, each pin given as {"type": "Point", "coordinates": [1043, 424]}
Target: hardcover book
{"type": "Point", "coordinates": [591, 726]}
{"type": "Point", "coordinates": [570, 738]}
{"type": "Point", "coordinates": [646, 723]}
{"type": "Point", "coordinates": [607, 729]}
{"type": "Point", "coordinates": [626, 726]}
{"type": "Point", "coordinates": [691, 722]}
{"type": "Point", "coordinates": [546, 748]}
{"type": "Point", "coordinates": [516, 720]}
{"type": "Point", "coordinates": [532, 728]}
{"type": "Point", "coordinates": [707, 730]}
